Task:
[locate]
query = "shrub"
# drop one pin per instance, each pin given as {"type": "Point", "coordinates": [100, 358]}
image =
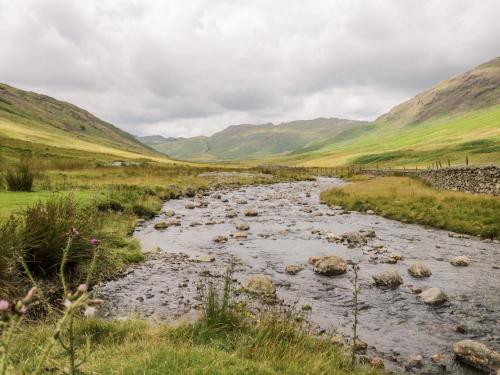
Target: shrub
{"type": "Point", "coordinates": [20, 178]}
{"type": "Point", "coordinates": [41, 233]}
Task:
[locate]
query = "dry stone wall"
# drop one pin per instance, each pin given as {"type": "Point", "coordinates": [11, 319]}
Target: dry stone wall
{"type": "Point", "coordinates": [484, 179]}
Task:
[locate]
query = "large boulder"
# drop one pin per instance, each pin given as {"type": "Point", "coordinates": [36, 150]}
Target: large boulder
{"type": "Point", "coordinates": [419, 270]}
{"type": "Point", "coordinates": [259, 284]}
{"type": "Point", "coordinates": [460, 261]}
{"type": "Point", "coordinates": [477, 355]}
{"type": "Point", "coordinates": [433, 296]}
{"type": "Point", "coordinates": [388, 278]}
{"type": "Point", "coordinates": [331, 265]}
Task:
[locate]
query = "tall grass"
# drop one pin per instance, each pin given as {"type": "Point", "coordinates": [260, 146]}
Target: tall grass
{"type": "Point", "coordinates": [409, 200]}
{"type": "Point", "coordinates": [20, 177]}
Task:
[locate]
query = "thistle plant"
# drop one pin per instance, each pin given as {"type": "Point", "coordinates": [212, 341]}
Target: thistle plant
{"type": "Point", "coordinates": [11, 315]}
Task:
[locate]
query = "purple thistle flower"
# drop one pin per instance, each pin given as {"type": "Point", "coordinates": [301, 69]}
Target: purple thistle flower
{"type": "Point", "coordinates": [4, 305]}
{"type": "Point", "coordinates": [95, 242]}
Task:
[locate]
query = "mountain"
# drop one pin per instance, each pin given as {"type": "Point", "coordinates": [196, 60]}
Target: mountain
{"type": "Point", "coordinates": [457, 118]}
{"type": "Point", "coordinates": [243, 142]}
{"type": "Point", "coordinates": [473, 90]}
{"type": "Point", "coordinates": [35, 123]}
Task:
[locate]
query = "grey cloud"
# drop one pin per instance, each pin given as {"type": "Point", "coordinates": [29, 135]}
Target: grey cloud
{"type": "Point", "coordinates": [187, 68]}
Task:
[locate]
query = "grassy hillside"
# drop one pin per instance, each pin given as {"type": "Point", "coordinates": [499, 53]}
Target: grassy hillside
{"type": "Point", "coordinates": [476, 89]}
{"type": "Point", "coordinates": [244, 142]}
{"type": "Point", "coordinates": [456, 118]}
{"type": "Point", "coordinates": [42, 126]}
{"type": "Point", "coordinates": [475, 135]}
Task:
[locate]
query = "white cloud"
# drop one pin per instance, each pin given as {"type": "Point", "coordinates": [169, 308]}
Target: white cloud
{"type": "Point", "coordinates": [189, 68]}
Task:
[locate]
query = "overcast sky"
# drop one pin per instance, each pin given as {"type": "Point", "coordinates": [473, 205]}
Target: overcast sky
{"type": "Point", "coordinates": [191, 67]}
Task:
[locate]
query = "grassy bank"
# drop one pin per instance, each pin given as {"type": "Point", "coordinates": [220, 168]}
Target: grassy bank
{"type": "Point", "coordinates": [412, 201]}
{"type": "Point", "coordinates": [227, 339]}
{"type": "Point", "coordinates": [135, 347]}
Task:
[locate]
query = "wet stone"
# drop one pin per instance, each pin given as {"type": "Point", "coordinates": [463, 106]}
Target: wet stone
{"type": "Point", "coordinates": [241, 226]}
{"type": "Point", "coordinates": [331, 266]}
{"type": "Point", "coordinates": [259, 284]}
{"type": "Point", "coordinates": [419, 270]}
{"type": "Point", "coordinates": [433, 296]}
{"type": "Point", "coordinates": [460, 261]}
{"type": "Point", "coordinates": [293, 269]}
{"type": "Point", "coordinates": [388, 278]}
{"type": "Point", "coordinates": [477, 354]}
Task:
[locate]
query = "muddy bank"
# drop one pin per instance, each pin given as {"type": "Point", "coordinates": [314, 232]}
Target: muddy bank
{"type": "Point", "coordinates": [291, 225]}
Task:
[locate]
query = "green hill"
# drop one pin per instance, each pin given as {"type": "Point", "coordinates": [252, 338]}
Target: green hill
{"type": "Point", "coordinates": [244, 142]}
{"type": "Point", "coordinates": [456, 118]}
{"type": "Point", "coordinates": [42, 126]}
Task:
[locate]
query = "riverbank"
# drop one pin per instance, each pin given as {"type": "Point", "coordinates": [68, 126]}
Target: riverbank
{"type": "Point", "coordinates": [108, 210]}
{"type": "Point", "coordinates": [411, 201]}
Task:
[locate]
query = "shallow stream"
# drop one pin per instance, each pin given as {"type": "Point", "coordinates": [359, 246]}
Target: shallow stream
{"type": "Point", "coordinates": [291, 226]}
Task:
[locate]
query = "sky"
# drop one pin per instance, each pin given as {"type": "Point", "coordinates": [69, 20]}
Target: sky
{"type": "Point", "coordinates": [194, 67]}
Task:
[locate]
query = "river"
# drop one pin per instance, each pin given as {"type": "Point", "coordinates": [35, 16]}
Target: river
{"type": "Point", "coordinates": [291, 226]}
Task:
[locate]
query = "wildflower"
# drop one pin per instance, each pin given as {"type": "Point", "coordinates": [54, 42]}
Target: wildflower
{"type": "Point", "coordinates": [4, 305]}
{"type": "Point", "coordinates": [74, 232]}
{"type": "Point", "coordinates": [90, 312]}
{"type": "Point", "coordinates": [82, 288]}
{"type": "Point", "coordinates": [95, 242]}
{"type": "Point", "coordinates": [67, 303]}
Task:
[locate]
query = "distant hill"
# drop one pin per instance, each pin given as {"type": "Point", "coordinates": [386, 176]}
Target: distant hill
{"type": "Point", "coordinates": [244, 142]}
{"type": "Point", "coordinates": [31, 122]}
{"type": "Point", "coordinates": [456, 118]}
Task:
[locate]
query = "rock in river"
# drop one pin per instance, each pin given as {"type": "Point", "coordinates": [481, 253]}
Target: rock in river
{"type": "Point", "coordinates": [259, 284]}
{"type": "Point", "coordinates": [388, 278]}
{"type": "Point", "coordinates": [239, 235]}
{"type": "Point", "coordinates": [460, 261]}
{"type": "Point", "coordinates": [433, 296]}
{"type": "Point", "coordinates": [478, 355]}
{"type": "Point", "coordinates": [331, 265]}
{"type": "Point", "coordinates": [293, 269]}
{"type": "Point", "coordinates": [419, 270]}
{"type": "Point", "coordinates": [242, 226]}
{"type": "Point", "coordinates": [220, 239]}
{"type": "Point", "coordinates": [251, 212]}
{"type": "Point", "coordinates": [161, 225]}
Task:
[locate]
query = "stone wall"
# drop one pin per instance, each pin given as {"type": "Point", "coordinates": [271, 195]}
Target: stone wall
{"type": "Point", "coordinates": [468, 179]}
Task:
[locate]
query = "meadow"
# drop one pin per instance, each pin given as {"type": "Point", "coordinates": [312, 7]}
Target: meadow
{"type": "Point", "coordinates": [411, 201]}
